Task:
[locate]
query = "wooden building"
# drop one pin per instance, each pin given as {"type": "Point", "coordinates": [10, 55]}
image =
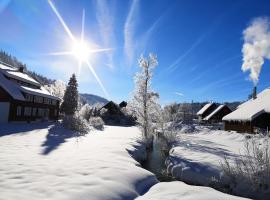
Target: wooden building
{"type": "Point", "coordinates": [252, 114]}
{"type": "Point", "coordinates": [206, 110]}
{"type": "Point", "coordinates": [22, 98]}
{"type": "Point", "coordinates": [217, 115]}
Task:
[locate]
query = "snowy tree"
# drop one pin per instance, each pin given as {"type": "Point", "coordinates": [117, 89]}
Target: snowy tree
{"type": "Point", "coordinates": [57, 88]}
{"type": "Point", "coordinates": [71, 96]}
{"type": "Point", "coordinates": [144, 102]}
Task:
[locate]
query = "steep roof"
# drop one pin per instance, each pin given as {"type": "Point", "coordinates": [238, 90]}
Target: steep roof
{"type": "Point", "coordinates": [252, 108]}
{"type": "Point", "coordinates": [205, 108]}
{"type": "Point", "coordinates": [15, 90]}
{"type": "Point", "coordinates": [214, 112]}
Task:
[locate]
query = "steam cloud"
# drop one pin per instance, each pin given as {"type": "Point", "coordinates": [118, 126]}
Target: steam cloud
{"type": "Point", "coordinates": [256, 47]}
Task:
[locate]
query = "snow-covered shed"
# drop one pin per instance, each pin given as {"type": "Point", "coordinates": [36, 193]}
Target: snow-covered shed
{"type": "Point", "coordinates": [254, 113]}
{"type": "Point", "coordinates": [22, 98]}
{"type": "Point", "coordinates": [218, 114]}
{"type": "Point", "coordinates": [206, 110]}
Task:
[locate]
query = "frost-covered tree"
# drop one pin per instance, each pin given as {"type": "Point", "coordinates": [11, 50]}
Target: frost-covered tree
{"type": "Point", "coordinates": [57, 88]}
{"type": "Point", "coordinates": [71, 97]}
{"type": "Point", "coordinates": [144, 102]}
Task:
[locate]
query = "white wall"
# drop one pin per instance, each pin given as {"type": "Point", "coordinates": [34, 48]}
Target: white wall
{"type": "Point", "coordinates": [4, 112]}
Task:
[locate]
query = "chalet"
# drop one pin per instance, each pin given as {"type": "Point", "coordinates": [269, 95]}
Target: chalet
{"type": "Point", "coordinates": [206, 110]}
{"type": "Point", "coordinates": [217, 115]}
{"type": "Point", "coordinates": [22, 98]}
{"type": "Point", "coordinates": [252, 114]}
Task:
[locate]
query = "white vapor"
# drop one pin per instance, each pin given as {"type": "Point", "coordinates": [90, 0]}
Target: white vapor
{"type": "Point", "coordinates": [256, 47]}
{"type": "Point", "coordinates": [129, 30]}
{"type": "Point", "coordinates": [179, 94]}
{"type": "Point", "coordinates": [106, 27]}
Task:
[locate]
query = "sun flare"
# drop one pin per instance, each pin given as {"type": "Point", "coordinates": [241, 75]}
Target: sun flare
{"type": "Point", "coordinates": [81, 51]}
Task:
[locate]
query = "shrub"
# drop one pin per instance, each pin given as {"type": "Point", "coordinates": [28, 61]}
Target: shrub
{"type": "Point", "coordinates": [97, 123]}
{"type": "Point", "coordinates": [251, 172]}
{"type": "Point", "coordinates": [86, 111]}
{"type": "Point", "coordinates": [76, 123]}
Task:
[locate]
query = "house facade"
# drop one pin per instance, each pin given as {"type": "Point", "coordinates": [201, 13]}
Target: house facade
{"type": "Point", "coordinates": [252, 114]}
{"type": "Point", "coordinates": [22, 98]}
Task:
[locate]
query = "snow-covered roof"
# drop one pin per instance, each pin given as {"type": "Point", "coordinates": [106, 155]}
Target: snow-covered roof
{"type": "Point", "coordinates": [251, 108]}
{"type": "Point", "coordinates": [15, 74]}
{"type": "Point", "coordinates": [214, 112]}
{"type": "Point", "coordinates": [200, 112]}
{"type": "Point", "coordinates": [40, 92]}
{"type": "Point", "coordinates": [11, 88]}
{"type": "Point", "coordinates": [15, 90]}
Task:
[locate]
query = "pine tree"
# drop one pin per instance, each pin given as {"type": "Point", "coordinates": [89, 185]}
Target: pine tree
{"type": "Point", "coordinates": [71, 97]}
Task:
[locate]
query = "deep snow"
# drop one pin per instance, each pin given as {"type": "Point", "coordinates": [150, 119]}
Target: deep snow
{"type": "Point", "coordinates": [38, 162]}
{"type": "Point", "coordinates": [45, 161]}
{"type": "Point", "coordinates": [198, 155]}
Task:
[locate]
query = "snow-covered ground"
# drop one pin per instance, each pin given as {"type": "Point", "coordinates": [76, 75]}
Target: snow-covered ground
{"type": "Point", "coordinates": [198, 155]}
{"type": "Point", "coordinates": [44, 161]}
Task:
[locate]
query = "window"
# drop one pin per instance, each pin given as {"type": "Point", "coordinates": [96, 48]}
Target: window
{"type": "Point", "coordinates": [34, 111]}
{"type": "Point", "coordinates": [19, 111]}
{"type": "Point", "coordinates": [40, 112]}
{"type": "Point", "coordinates": [55, 112]}
{"type": "Point", "coordinates": [29, 97]}
{"type": "Point", "coordinates": [38, 99]}
{"type": "Point", "coordinates": [54, 102]}
{"type": "Point", "coordinates": [27, 111]}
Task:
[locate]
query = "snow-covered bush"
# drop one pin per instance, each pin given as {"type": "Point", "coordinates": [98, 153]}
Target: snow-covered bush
{"type": "Point", "coordinates": [76, 123]}
{"type": "Point", "coordinates": [86, 111]}
{"type": "Point", "coordinates": [97, 123]}
{"type": "Point", "coordinates": [251, 171]}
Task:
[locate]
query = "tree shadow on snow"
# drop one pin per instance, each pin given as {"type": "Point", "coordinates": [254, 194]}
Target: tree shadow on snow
{"type": "Point", "coordinates": [57, 135]}
{"type": "Point", "coordinates": [22, 128]}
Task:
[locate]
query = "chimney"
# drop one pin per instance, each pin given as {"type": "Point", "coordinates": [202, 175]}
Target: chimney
{"type": "Point", "coordinates": [254, 93]}
{"type": "Point", "coordinates": [21, 69]}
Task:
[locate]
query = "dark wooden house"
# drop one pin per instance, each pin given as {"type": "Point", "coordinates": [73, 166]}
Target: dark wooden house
{"type": "Point", "coordinates": [252, 114]}
{"type": "Point", "coordinates": [22, 98]}
{"type": "Point", "coordinates": [217, 115]}
{"type": "Point", "coordinates": [206, 110]}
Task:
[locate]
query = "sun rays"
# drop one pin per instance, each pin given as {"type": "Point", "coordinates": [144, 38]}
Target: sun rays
{"type": "Point", "coordinates": [80, 49]}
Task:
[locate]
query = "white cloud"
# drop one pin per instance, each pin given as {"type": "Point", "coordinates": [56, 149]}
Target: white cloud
{"type": "Point", "coordinates": [256, 47]}
{"type": "Point", "coordinates": [129, 30]}
{"type": "Point", "coordinates": [179, 94]}
{"type": "Point", "coordinates": [105, 21]}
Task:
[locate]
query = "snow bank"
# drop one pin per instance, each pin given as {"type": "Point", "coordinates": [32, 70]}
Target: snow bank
{"type": "Point", "coordinates": [44, 161]}
{"type": "Point", "coordinates": [179, 190]}
{"type": "Point", "coordinates": [197, 157]}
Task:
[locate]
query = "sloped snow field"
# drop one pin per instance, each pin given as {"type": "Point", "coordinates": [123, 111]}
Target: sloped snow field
{"type": "Point", "coordinates": [44, 161]}
{"type": "Point", "coordinates": [199, 153]}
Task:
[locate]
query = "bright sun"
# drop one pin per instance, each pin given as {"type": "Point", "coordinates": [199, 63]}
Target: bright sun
{"type": "Point", "coordinates": [81, 50]}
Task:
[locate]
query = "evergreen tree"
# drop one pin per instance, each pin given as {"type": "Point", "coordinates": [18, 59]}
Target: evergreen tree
{"type": "Point", "coordinates": [71, 97]}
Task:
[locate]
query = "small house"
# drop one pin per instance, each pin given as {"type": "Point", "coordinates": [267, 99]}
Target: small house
{"type": "Point", "coordinates": [217, 115]}
{"type": "Point", "coordinates": [23, 98]}
{"type": "Point", "coordinates": [252, 114]}
{"type": "Point", "coordinates": [206, 110]}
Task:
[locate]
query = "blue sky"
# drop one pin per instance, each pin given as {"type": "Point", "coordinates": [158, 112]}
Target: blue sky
{"type": "Point", "coordinates": [198, 44]}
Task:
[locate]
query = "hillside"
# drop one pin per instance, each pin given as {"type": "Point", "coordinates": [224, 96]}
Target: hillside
{"type": "Point", "coordinates": [92, 99]}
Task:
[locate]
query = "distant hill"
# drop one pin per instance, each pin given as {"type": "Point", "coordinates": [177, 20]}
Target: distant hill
{"type": "Point", "coordinates": [92, 99]}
